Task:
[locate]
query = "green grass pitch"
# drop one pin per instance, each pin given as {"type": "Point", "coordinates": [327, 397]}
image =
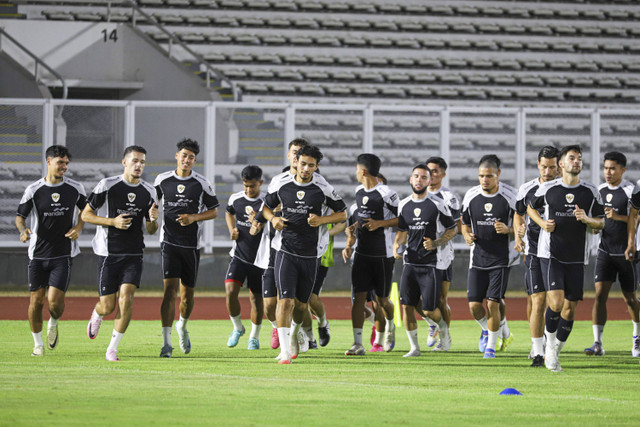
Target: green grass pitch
{"type": "Point", "coordinates": [215, 385]}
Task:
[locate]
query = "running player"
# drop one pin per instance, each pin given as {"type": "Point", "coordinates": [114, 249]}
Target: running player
{"type": "Point", "coordinates": [301, 238]}
{"type": "Point", "coordinates": [528, 244]}
{"type": "Point", "coordinates": [52, 205]}
{"type": "Point", "coordinates": [616, 193]}
{"type": "Point", "coordinates": [241, 210]}
{"type": "Point", "coordinates": [117, 206]}
{"type": "Point", "coordinates": [487, 214]}
{"type": "Point", "coordinates": [425, 225]}
{"type": "Point", "coordinates": [630, 254]}
{"type": "Point", "coordinates": [570, 205]}
{"type": "Point", "coordinates": [188, 199]}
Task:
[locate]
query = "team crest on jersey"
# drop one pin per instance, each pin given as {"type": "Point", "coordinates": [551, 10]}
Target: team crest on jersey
{"type": "Point", "coordinates": [55, 197]}
{"type": "Point", "coordinates": [609, 197]}
{"type": "Point", "coordinates": [248, 210]}
{"type": "Point", "coordinates": [300, 195]}
{"type": "Point", "coordinates": [417, 211]}
{"type": "Point", "coordinates": [132, 197]}
{"type": "Point", "coordinates": [365, 199]}
{"type": "Point", "coordinates": [180, 188]}
{"type": "Point", "coordinates": [570, 197]}
{"type": "Point", "coordinates": [488, 207]}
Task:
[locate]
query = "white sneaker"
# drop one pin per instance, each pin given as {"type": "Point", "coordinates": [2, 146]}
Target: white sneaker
{"type": "Point", "coordinates": [413, 353]}
{"type": "Point", "coordinates": [183, 338]}
{"type": "Point", "coordinates": [444, 343]}
{"type": "Point", "coordinates": [52, 337]}
{"type": "Point", "coordinates": [303, 341]}
{"type": "Point", "coordinates": [635, 350]}
{"type": "Point", "coordinates": [432, 339]}
{"type": "Point", "coordinates": [38, 350]}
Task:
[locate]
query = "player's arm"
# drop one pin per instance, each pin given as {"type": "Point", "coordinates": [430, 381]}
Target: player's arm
{"type": "Point", "coordinates": [594, 223]}
{"type": "Point", "coordinates": [520, 229]}
{"type": "Point", "coordinates": [122, 221]}
{"type": "Point", "coordinates": [152, 222]}
{"type": "Point", "coordinates": [25, 232]}
{"type": "Point", "coordinates": [188, 219]}
{"type": "Point", "coordinates": [449, 234]}
{"type": "Point", "coordinates": [350, 232]}
{"type": "Point", "coordinates": [632, 221]}
{"type": "Point", "coordinates": [611, 213]}
{"type": "Point", "coordinates": [547, 225]}
{"type": "Point", "coordinates": [468, 235]}
{"type": "Point", "coordinates": [371, 224]}
{"type": "Point", "coordinates": [231, 226]}
{"type": "Point", "coordinates": [74, 232]}
{"type": "Point", "coordinates": [316, 221]}
{"type": "Point", "coordinates": [338, 228]}
{"type": "Point", "coordinates": [401, 239]}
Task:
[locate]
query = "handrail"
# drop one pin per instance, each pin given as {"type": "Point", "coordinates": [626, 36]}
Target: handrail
{"type": "Point", "coordinates": [65, 90]}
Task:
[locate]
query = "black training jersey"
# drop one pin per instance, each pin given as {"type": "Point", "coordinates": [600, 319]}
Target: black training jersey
{"type": "Point", "coordinates": [613, 238]}
{"type": "Point", "coordinates": [451, 200]}
{"type": "Point", "coordinates": [379, 203]}
{"type": "Point", "coordinates": [567, 243]}
{"type": "Point", "coordinates": [298, 201]}
{"type": "Point", "coordinates": [426, 217]}
{"type": "Point", "coordinates": [525, 194]}
{"type": "Point", "coordinates": [52, 210]}
{"type": "Point", "coordinates": [189, 195]}
{"type": "Point", "coordinates": [114, 196]}
{"type": "Point", "coordinates": [241, 207]}
{"type": "Point", "coordinates": [481, 211]}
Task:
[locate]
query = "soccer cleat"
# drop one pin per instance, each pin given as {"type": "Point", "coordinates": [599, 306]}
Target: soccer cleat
{"type": "Point", "coordinates": [183, 338]}
{"type": "Point", "coordinates": [551, 358]}
{"type": "Point", "coordinates": [235, 337]}
{"type": "Point", "coordinates": [167, 351]}
{"type": "Point", "coordinates": [530, 356]}
{"type": "Point", "coordinates": [444, 343]}
{"type": "Point", "coordinates": [38, 350]}
{"type": "Point", "coordinates": [635, 350]}
{"type": "Point", "coordinates": [376, 348]}
{"type": "Point", "coordinates": [482, 343]}
{"type": "Point", "coordinates": [303, 341]}
{"type": "Point", "coordinates": [275, 341]}
{"type": "Point", "coordinates": [389, 340]}
{"type": "Point", "coordinates": [324, 334]}
{"type": "Point", "coordinates": [538, 361]}
{"type": "Point", "coordinates": [413, 353]}
{"type": "Point", "coordinates": [254, 344]}
{"type": "Point", "coordinates": [355, 350]}
{"type": "Point", "coordinates": [504, 343]}
{"type": "Point", "coordinates": [595, 350]}
{"type": "Point", "coordinates": [313, 345]}
{"type": "Point", "coordinates": [94, 326]}
{"type": "Point", "coordinates": [432, 339]}
{"type": "Point", "coordinates": [489, 353]}
{"type": "Point", "coordinates": [284, 360]}
{"type": "Point", "coordinates": [373, 334]}
{"type": "Point", "coordinates": [52, 337]}
{"type": "Point", "coordinates": [112, 356]}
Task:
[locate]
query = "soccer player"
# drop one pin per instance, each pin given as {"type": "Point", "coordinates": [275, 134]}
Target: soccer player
{"type": "Point", "coordinates": [188, 199]}
{"type": "Point", "coordinates": [487, 214]}
{"type": "Point", "coordinates": [118, 205]}
{"type": "Point", "coordinates": [528, 244]}
{"type": "Point", "coordinates": [616, 193]}
{"type": "Point", "coordinates": [570, 205]}
{"type": "Point", "coordinates": [241, 209]}
{"type": "Point", "coordinates": [425, 225]}
{"type": "Point", "coordinates": [376, 212]}
{"type": "Point", "coordinates": [52, 205]}
{"type": "Point", "coordinates": [301, 238]}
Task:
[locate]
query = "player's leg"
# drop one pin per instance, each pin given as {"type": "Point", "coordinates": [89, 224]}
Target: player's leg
{"type": "Point", "coordinates": [361, 280]}
{"type": "Point", "coordinates": [254, 283]}
{"type": "Point", "coordinates": [443, 304]}
{"type": "Point", "coordinates": [409, 298]}
{"type": "Point", "coordinates": [167, 313]}
{"type": "Point", "coordinates": [599, 317]}
{"type": "Point", "coordinates": [629, 284]}
{"type": "Point", "coordinates": [125, 305]}
{"type": "Point", "coordinates": [307, 276]}
{"type": "Point", "coordinates": [316, 307]}
{"type": "Point", "coordinates": [270, 301]}
{"type": "Point", "coordinates": [236, 275]}
{"type": "Point", "coordinates": [477, 285]}
{"type": "Point", "coordinates": [496, 309]}
{"type": "Point", "coordinates": [108, 286]}
{"type": "Point", "coordinates": [286, 277]}
{"type": "Point", "coordinates": [430, 281]}
{"type": "Point", "coordinates": [536, 327]}
{"type": "Point", "coordinates": [186, 307]}
{"type": "Point", "coordinates": [381, 280]}
{"type": "Point", "coordinates": [56, 309]}
{"type": "Point", "coordinates": [36, 303]}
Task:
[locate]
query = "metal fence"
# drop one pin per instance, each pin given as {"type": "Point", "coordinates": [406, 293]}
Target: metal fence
{"type": "Point", "coordinates": [234, 134]}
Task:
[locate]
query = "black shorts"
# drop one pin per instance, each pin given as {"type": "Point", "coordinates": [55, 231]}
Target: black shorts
{"type": "Point", "coordinates": [239, 270]}
{"type": "Point", "coordinates": [567, 277]}
{"type": "Point", "coordinates": [54, 272]}
{"type": "Point", "coordinates": [533, 275]}
{"type": "Point", "coordinates": [608, 268]}
{"type": "Point", "coordinates": [322, 274]}
{"type": "Point", "coordinates": [487, 284]}
{"type": "Point", "coordinates": [295, 276]}
{"type": "Point", "coordinates": [269, 289]}
{"type": "Point", "coordinates": [372, 273]}
{"type": "Point", "coordinates": [447, 275]}
{"type": "Point", "coordinates": [420, 281]}
{"type": "Point", "coordinates": [114, 270]}
{"type": "Point", "coordinates": [180, 263]}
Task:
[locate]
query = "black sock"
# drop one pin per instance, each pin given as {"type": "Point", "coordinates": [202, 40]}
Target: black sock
{"type": "Point", "coordinates": [551, 319]}
{"type": "Point", "coordinates": [564, 329]}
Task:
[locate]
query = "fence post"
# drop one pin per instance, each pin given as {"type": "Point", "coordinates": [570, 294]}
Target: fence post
{"type": "Point", "coordinates": [445, 143]}
{"type": "Point", "coordinates": [210, 168]}
{"type": "Point", "coordinates": [521, 146]}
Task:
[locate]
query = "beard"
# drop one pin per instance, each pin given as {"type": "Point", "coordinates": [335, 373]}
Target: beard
{"type": "Point", "coordinates": [418, 192]}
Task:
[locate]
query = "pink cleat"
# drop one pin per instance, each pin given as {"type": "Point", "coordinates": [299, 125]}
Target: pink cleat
{"type": "Point", "coordinates": [112, 356]}
{"type": "Point", "coordinates": [275, 341]}
{"type": "Point", "coordinates": [94, 326]}
{"type": "Point", "coordinates": [376, 348]}
{"type": "Point", "coordinates": [373, 334]}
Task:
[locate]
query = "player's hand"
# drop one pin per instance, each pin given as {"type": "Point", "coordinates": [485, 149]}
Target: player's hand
{"type": "Point", "coordinates": [252, 215]}
{"type": "Point", "coordinates": [501, 227]}
{"type": "Point", "coordinates": [122, 221]}
{"type": "Point", "coordinates": [72, 234]}
{"type": "Point", "coordinates": [25, 235]}
{"type": "Point", "coordinates": [580, 214]}
{"type": "Point", "coordinates": [233, 234]}
{"type": "Point", "coordinates": [185, 219]}
{"type": "Point", "coordinates": [549, 226]}
{"type": "Point", "coordinates": [630, 253]}
{"type": "Point", "coordinates": [469, 238]}
{"type": "Point", "coordinates": [519, 245]}
{"type": "Point", "coordinates": [154, 213]}
{"type": "Point", "coordinates": [256, 228]}
{"type": "Point", "coordinates": [370, 224]}
{"type": "Point", "coordinates": [521, 231]}
{"type": "Point", "coordinates": [429, 244]}
{"type": "Point", "coordinates": [346, 254]}
{"type": "Point", "coordinates": [350, 230]}
{"type": "Point", "coordinates": [279, 222]}
{"type": "Point", "coordinates": [314, 220]}
{"type": "Point", "coordinates": [396, 248]}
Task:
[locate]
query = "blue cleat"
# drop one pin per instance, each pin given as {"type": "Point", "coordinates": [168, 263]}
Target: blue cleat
{"type": "Point", "coordinates": [234, 337]}
{"type": "Point", "coordinates": [482, 343]}
{"type": "Point", "coordinates": [595, 350]}
{"type": "Point", "coordinates": [489, 354]}
{"type": "Point", "coordinates": [254, 344]}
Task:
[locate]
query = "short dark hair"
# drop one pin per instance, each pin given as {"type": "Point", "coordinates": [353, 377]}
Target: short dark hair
{"type": "Point", "coordinates": [251, 172]}
{"type": "Point", "coordinates": [442, 164]}
{"type": "Point", "coordinates": [189, 144]}
{"type": "Point", "coordinates": [311, 151]}
{"type": "Point", "coordinates": [370, 162]}
{"type": "Point", "coordinates": [548, 152]}
{"type": "Point", "coordinates": [382, 178]}
{"type": "Point", "coordinates": [617, 157]}
{"type": "Point", "coordinates": [131, 148]}
{"type": "Point", "coordinates": [58, 151]}
{"type": "Point", "coordinates": [421, 166]}
{"type": "Point", "coordinates": [490, 160]}
{"type": "Point", "coordinates": [299, 142]}
{"type": "Point", "coordinates": [568, 148]}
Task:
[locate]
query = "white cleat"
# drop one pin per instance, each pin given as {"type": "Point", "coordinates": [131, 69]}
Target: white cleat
{"type": "Point", "coordinates": [38, 350]}
{"type": "Point", "coordinates": [52, 337]}
{"type": "Point", "coordinates": [444, 343]}
{"type": "Point", "coordinates": [551, 358]}
{"type": "Point", "coordinates": [303, 341]}
{"type": "Point", "coordinates": [389, 340]}
{"type": "Point", "coordinates": [413, 353]}
{"type": "Point", "coordinates": [432, 339]}
{"type": "Point", "coordinates": [635, 350]}
{"type": "Point", "coordinates": [183, 338]}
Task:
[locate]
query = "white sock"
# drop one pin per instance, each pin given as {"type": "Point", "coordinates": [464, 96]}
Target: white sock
{"type": "Point", "coordinates": [636, 329]}
{"type": "Point", "coordinates": [273, 324]}
{"type": "Point", "coordinates": [309, 332]}
{"type": "Point", "coordinates": [493, 339]}
{"type": "Point", "coordinates": [430, 321]}
{"type": "Point", "coordinates": [95, 313]}
{"type": "Point", "coordinates": [322, 320]}
{"type": "Point", "coordinates": [183, 322]}
{"type": "Point", "coordinates": [295, 327]}
{"type": "Point", "coordinates": [483, 323]}
{"type": "Point", "coordinates": [115, 340]}
{"type": "Point", "coordinates": [237, 323]}
{"type": "Point", "coordinates": [551, 337]}
{"type": "Point", "coordinates": [537, 346]}
{"type": "Point", "coordinates": [504, 328]}
{"type": "Point", "coordinates": [371, 318]}
{"type": "Point", "coordinates": [284, 335]}
{"type": "Point", "coordinates": [413, 339]}
{"type": "Point", "coordinates": [166, 335]}
{"type": "Point", "coordinates": [560, 345]}
{"type": "Point", "coordinates": [357, 336]}
{"type": "Point", "coordinates": [37, 338]}
{"type": "Point", "coordinates": [597, 332]}
{"type": "Point", "coordinates": [379, 337]}
{"type": "Point", "coordinates": [444, 329]}
{"type": "Point", "coordinates": [255, 330]}
{"type": "Point", "coordinates": [52, 322]}
{"type": "Point", "coordinates": [389, 325]}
